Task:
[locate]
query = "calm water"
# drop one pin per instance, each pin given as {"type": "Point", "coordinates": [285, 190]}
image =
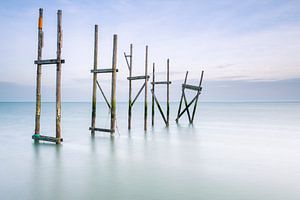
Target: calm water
{"type": "Point", "coordinates": [233, 151]}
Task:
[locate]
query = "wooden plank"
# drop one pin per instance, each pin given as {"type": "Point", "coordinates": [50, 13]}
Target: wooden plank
{"type": "Point", "coordinates": [48, 61]}
{"type": "Point", "coordinates": [191, 87]}
{"type": "Point", "coordinates": [113, 86]}
{"type": "Point", "coordinates": [161, 82]}
{"type": "Point", "coordinates": [102, 130]}
{"type": "Point", "coordinates": [138, 77]}
{"type": "Point", "coordinates": [58, 77]}
{"type": "Point", "coordinates": [104, 70]}
{"type": "Point", "coordinates": [39, 73]}
{"type": "Point", "coordinates": [39, 137]}
{"type": "Point", "coordinates": [94, 97]}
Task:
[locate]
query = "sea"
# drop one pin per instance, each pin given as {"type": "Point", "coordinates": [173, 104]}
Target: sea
{"type": "Point", "coordinates": [232, 151]}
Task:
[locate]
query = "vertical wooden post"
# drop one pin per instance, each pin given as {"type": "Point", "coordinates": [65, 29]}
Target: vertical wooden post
{"type": "Point", "coordinates": [58, 77]}
{"type": "Point", "coordinates": [179, 109]}
{"type": "Point", "coordinates": [198, 93]}
{"type": "Point", "coordinates": [146, 89]}
{"type": "Point", "coordinates": [168, 92]}
{"type": "Point", "coordinates": [113, 86]}
{"type": "Point", "coordinates": [39, 74]}
{"type": "Point", "coordinates": [94, 98]}
{"type": "Point", "coordinates": [130, 89]}
{"type": "Point", "coordinates": [153, 90]}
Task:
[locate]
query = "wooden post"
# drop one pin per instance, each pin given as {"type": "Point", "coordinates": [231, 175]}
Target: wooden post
{"type": "Point", "coordinates": [198, 93]}
{"type": "Point", "coordinates": [113, 86]}
{"type": "Point", "coordinates": [58, 77]}
{"type": "Point", "coordinates": [94, 98]}
{"type": "Point", "coordinates": [153, 86]}
{"type": "Point", "coordinates": [146, 89]}
{"type": "Point", "coordinates": [39, 73]}
{"type": "Point", "coordinates": [168, 92]}
{"type": "Point", "coordinates": [130, 89]}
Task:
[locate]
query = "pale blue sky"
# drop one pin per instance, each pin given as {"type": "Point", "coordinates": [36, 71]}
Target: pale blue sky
{"type": "Point", "coordinates": [231, 40]}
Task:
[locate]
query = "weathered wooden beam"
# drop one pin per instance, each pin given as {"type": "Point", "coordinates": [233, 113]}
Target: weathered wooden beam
{"type": "Point", "coordinates": [161, 82]}
{"type": "Point", "coordinates": [138, 77]}
{"type": "Point", "coordinates": [191, 102]}
{"type": "Point", "coordinates": [94, 98]}
{"type": "Point", "coordinates": [186, 104]}
{"type": "Point", "coordinates": [196, 103]}
{"type": "Point", "coordinates": [39, 73]}
{"type": "Point", "coordinates": [113, 86]}
{"type": "Point", "coordinates": [181, 98]}
{"type": "Point", "coordinates": [159, 108]}
{"type": "Point", "coordinates": [48, 61]}
{"type": "Point", "coordinates": [104, 71]}
{"type": "Point", "coordinates": [191, 87]}
{"type": "Point", "coordinates": [39, 137]}
{"type": "Point", "coordinates": [137, 95]}
{"type": "Point", "coordinates": [58, 77]}
{"type": "Point", "coordinates": [153, 92]}
{"type": "Point", "coordinates": [146, 89]}
{"type": "Point", "coordinates": [168, 92]}
{"type": "Point", "coordinates": [102, 130]}
{"type": "Point", "coordinates": [102, 92]}
{"type": "Point", "coordinates": [129, 65]}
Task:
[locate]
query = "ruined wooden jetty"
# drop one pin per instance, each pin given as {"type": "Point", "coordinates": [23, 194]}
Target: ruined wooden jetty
{"type": "Point", "coordinates": [198, 90]}
{"type": "Point", "coordinates": [144, 87]}
{"type": "Point", "coordinates": [154, 98]}
{"type": "Point", "coordinates": [112, 104]}
{"type": "Point", "coordinates": [39, 62]}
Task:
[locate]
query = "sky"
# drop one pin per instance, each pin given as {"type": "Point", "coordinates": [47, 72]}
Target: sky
{"type": "Point", "coordinates": [248, 49]}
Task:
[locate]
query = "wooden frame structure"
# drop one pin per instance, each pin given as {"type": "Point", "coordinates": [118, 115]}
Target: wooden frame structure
{"type": "Point", "coordinates": [39, 62]}
{"type": "Point", "coordinates": [113, 71]}
{"type": "Point", "coordinates": [143, 87]}
{"type": "Point", "coordinates": [198, 89]}
{"type": "Point", "coordinates": [154, 99]}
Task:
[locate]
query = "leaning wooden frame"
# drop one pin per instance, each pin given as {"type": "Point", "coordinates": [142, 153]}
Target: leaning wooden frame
{"type": "Point", "coordinates": [198, 89]}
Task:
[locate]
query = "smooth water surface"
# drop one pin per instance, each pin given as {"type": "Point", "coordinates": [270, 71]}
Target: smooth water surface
{"type": "Point", "coordinates": [233, 151]}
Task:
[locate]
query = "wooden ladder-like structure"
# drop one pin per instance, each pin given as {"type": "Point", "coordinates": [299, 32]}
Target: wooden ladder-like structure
{"type": "Point", "coordinates": [113, 71]}
{"type": "Point", "coordinates": [143, 87]}
{"type": "Point", "coordinates": [198, 89]}
{"type": "Point", "coordinates": [39, 62]}
{"type": "Point", "coordinates": [154, 98]}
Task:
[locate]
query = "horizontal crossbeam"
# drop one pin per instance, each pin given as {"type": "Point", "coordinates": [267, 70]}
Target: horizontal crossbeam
{"type": "Point", "coordinates": [48, 61]}
{"type": "Point", "coordinates": [138, 77]}
{"type": "Point", "coordinates": [161, 82]}
{"type": "Point", "coordinates": [191, 87]}
{"type": "Point", "coordinates": [102, 130]}
{"type": "Point", "coordinates": [46, 138]}
{"type": "Point", "coordinates": [103, 71]}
